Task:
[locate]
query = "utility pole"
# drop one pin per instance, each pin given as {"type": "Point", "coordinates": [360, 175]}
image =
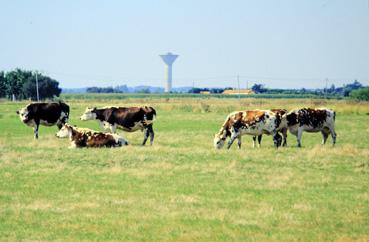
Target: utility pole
{"type": "Point", "coordinates": [326, 88]}
{"type": "Point", "coordinates": [38, 96]}
{"type": "Point", "coordinates": [238, 83]}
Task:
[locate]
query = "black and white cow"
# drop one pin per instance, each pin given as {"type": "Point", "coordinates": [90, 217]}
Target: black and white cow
{"type": "Point", "coordinates": [253, 122]}
{"type": "Point", "coordinates": [282, 126]}
{"type": "Point", "coordinates": [312, 120]}
{"type": "Point", "coordinates": [47, 114]}
{"type": "Point", "coordinates": [128, 119]}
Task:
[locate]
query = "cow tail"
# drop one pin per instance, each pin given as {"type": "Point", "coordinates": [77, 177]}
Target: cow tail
{"type": "Point", "coordinates": [153, 114]}
{"type": "Point", "coordinates": [334, 115]}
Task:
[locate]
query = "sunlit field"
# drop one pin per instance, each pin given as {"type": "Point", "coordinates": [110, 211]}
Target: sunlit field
{"type": "Point", "coordinates": [181, 188]}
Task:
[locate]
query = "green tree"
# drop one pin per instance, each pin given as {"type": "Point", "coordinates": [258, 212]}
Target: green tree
{"type": "Point", "coordinates": [22, 84]}
{"type": "Point", "coordinates": [361, 94]}
{"type": "Point", "coordinates": [15, 81]}
{"type": "Point", "coordinates": [48, 88]}
{"type": "Point", "coordinates": [2, 85]}
{"type": "Point", "coordinates": [350, 87]}
{"type": "Point", "coordinates": [258, 88]}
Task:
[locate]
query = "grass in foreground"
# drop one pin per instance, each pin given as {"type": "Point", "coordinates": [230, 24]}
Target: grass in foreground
{"type": "Point", "coordinates": [181, 188]}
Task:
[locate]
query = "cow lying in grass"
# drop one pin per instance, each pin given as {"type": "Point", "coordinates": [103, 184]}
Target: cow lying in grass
{"type": "Point", "coordinates": [255, 123]}
{"type": "Point", "coordinates": [312, 120]}
{"type": "Point", "coordinates": [81, 137]}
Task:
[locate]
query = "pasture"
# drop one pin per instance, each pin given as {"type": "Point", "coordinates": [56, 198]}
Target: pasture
{"type": "Point", "coordinates": [181, 188]}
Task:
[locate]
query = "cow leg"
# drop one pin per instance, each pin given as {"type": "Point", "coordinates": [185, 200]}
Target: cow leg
{"type": "Point", "coordinates": [59, 125]}
{"type": "Point", "coordinates": [231, 140]}
{"type": "Point", "coordinates": [277, 139]}
{"type": "Point", "coordinates": [299, 136]}
{"type": "Point", "coordinates": [102, 126]}
{"type": "Point", "coordinates": [325, 134]}
{"type": "Point", "coordinates": [259, 140]}
{"type": "Point", "coordinates": [253, 141]}
{"type": "Point", "coordinates": [113, 128]}
{"type": "Point", "coordinates": [35, 129]}
{"type": "Point", "coordinates": [146, 135]}
{"type": "Point", "coordinates": [284, 133]}
{"type": "Point", "coordinates": [334, 135]}
{"type": "Point", "coordinates": [239, 142]}
{"type": "Point", "coordinates": [152, 134]}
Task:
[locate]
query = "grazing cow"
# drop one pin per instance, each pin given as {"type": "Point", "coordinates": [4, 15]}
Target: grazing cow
{"type": "Point", "coordinates": [282, 127]}
{"type": "Point", "coordinates": [47, 114]}
{"type": "Point", "coordinates": [89, 138]}
{"type": "Point", "coordinates": [312, 120]}
{"type": "Point", "coordinates": [256, 122]}
{"type": "Point", "coordinates": [128, 119]}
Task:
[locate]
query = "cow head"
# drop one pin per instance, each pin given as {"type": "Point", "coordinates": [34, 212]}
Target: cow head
{"type": "Point", "coordinates": [277, 139]}
{"type": "Point", "coordinates": [281, 121]}
{"type": "Point", "coordinates": [220, 138]}
{"type": "Point", "coordinates": [65, 131]}
{"type": "Point", "coordinates": [23, 114]}
{"type": "Point", "coordinates": [89, 114]}
{"type": "Point", "coordinates": [274, 121]}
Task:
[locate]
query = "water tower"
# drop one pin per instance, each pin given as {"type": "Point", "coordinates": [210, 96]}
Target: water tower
{"type": "Point", "coordinates": [168, 59]}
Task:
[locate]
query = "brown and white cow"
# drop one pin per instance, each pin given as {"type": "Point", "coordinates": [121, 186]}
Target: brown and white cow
{"type": "Point", "coordinates": [312, 120]}
{"type": "Point", "coordinates": [47, 114]}
{"type": "Point", "coordinates": [81, 137]}
{"type": "Point", "coordinates": [281, 128]}
{"type": "Point", "coordinates": [128, 119]}
{"type": "Point", "coordinates": [255, 123]}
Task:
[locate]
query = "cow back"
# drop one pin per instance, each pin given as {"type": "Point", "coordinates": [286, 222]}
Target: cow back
{"type": "Point", "coordinates": [50, 112]}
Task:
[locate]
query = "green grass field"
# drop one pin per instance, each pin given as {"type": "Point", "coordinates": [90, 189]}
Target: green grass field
{"type": "Point", "coordinates": [181, 188]}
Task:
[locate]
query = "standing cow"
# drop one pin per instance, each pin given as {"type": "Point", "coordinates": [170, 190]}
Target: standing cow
{"type": "Point", "coordinates": [255, 123]}
{"type": "Point", "coordinates": [312, 120]}
{"type": "Point", "coordinates": [282, 127]}
{"type": "Point", "coordinates": [128, 119]}
{"type": "Point", "coordinates": [47, 114]}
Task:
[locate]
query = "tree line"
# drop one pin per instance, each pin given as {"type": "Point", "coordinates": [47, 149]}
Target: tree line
{"type": "Point", "coordinates": [21, 84]}
{"type": "Point", "coordinates": [332, 91]}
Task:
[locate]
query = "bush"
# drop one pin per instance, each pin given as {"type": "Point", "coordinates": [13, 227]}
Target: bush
{"type": "Point", "coordinates": [361, 94]}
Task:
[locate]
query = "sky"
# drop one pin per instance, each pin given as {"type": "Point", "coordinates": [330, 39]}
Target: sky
{"type": "Point", "coordinates": [281, 44]}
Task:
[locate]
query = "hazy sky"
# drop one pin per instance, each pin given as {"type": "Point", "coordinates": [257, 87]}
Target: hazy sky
{"type": "Point", "coordinates": [284, 43]}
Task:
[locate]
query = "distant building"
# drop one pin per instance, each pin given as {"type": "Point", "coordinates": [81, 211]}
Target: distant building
{"type": "Point", "coordinates": [236, 92]}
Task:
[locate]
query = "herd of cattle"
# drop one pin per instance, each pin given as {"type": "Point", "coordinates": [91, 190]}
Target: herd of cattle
{"type": "Point", "coordinates": [127, 119]}
{"type": "Point", "coordinates": [254, 123]}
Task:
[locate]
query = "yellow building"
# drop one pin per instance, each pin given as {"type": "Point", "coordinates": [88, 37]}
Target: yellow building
{"type": "Point", "coordinates": [241, 91]}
